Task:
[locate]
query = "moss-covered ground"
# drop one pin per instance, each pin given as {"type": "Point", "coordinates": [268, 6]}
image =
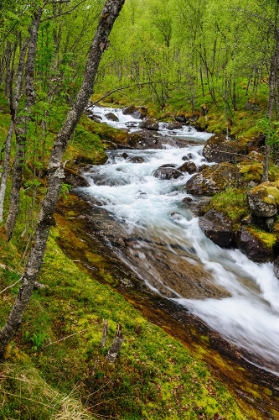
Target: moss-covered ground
{"type": "Point", "coordinates": [56, 359]}
{"type": "Point", "coordinates": [55, 367]}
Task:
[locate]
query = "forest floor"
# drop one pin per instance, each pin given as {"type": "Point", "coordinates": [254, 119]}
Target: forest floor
{"type": "Point", "coordinates": [55, 367]}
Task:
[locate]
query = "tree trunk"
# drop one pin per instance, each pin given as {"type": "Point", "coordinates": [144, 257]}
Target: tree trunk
{"type": "Point", "coordinates": [116, 345]}
{"type": "Point", "coordinates": [6, 167]}
{"type": "Point", "coordinates": [104, 333]}
{"type": "Point", "coordinates": [99, 44]}
{"type": "Point", "coordinates": [21, 126]}
{"type": "Point", "coordinates": [273, 89]}
{"type": "Point", "coordinates": [8, 76]}
{"type": "Point", "coordinates": [13, 110]}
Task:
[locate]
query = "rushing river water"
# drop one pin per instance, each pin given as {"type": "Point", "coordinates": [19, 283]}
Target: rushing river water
{"type": "Point", "coordinates": [149, 209]}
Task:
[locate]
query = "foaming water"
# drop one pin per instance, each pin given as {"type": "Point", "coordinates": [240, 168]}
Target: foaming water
{"type": "Point", "coordinates": [249, 314]}
{"type": "Point", "coordinates": [132, 124]}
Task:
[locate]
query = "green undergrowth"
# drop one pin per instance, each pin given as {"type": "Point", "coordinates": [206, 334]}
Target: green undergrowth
{"type": "Point", "coordinates": [267, 238]}
{"type": "Point", "coordinates": [232, 202]}
{"type": "Point", "coordinates": [239, 122]}
{"type": "Point", "coordinates": [55, 366]}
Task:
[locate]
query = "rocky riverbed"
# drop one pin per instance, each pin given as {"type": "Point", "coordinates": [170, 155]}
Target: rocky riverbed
{"type": "Point", "coordinates": [158, 273]}
{"type": "Point", "coordinates": [86, 233]}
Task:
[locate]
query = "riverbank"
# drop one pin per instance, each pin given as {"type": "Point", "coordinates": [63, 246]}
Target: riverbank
{"type": "Point", "coordinates": [57, 354]}
{"type": "Point", "coordinates": [55, 367]}
{"type": "Point", "coordinates": [58, 348]}
{"type": "Point", "coordinates": [255, 388]}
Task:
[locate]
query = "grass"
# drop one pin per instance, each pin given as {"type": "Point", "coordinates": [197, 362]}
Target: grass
{"type": "Point", "coordinates": [55, 367]}
{"type": "Point", "coordinates": [232, 202]}
{"type": "Point", "coordinates": [155, 377]}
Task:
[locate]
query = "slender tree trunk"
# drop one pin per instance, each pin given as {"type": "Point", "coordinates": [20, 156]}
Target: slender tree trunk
{"type": "Point", "coordinates": [8, 57]}
{"type": "Point", "coordinates": [6, 166]}
{"type": "Point", "coordinates": [99, 44]}
{"type": "Point", "coordinates": [273, 89]}
{"type": "Point", "coordinates": [116, 345]}
{"type": "Point", "coordinates": [13, 110]}
{"type": "Point", "coordinates": [21, 126]}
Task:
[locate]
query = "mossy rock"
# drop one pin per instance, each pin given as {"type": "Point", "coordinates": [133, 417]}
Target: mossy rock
{"type": "Point", "coordinates": [263, 200]}
{"type": "Point", "coordinates": [104, 132]}
{"type": "Point", "coordinates": [257, 245]}
{"type": "Point", "coordinates": [213, 179]}
{"type": "Point", "coordinates": [232, 202]}
{"type": "Point", "coordinates": [219, 149]}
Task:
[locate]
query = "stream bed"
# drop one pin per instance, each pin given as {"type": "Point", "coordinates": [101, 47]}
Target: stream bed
{"type": "Point", "coordinates": [150, 225]}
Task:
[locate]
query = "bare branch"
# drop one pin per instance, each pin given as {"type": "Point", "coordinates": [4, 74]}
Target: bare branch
{"type": "Point", "coordinates": [9, 287]}
{"type": "Point", "coordinates": [129, 87]}
{"type": "Point", "coordinates": [63, 13]}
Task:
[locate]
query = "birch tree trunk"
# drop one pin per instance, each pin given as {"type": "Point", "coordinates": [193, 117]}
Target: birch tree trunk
{"type": "Point", "coordinates": [8, 76]}
{"type": "Point", "coordinates": [13, 110]}
{"type": "Point", "coordinates": [20, 126]}
{"type": "Point", "coordinates": [273, 91]}
{"type": "Point", "coordinates": [116, 345]}
{"type": "Point", "coordinates": [99, 44]}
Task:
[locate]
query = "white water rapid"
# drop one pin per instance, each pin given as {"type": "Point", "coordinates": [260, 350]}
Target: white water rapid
{"type": "Point", "coordinates": [249, 315]}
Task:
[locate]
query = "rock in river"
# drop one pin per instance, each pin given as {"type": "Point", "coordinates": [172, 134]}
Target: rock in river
{"type": "Point", "coordinates": [217, 227]}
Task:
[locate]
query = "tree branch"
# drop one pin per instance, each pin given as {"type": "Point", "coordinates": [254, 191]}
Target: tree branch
{"type": "Point", "coordinates": [63, 13]}
{"type": "Point", "coordinates": [9, 287]}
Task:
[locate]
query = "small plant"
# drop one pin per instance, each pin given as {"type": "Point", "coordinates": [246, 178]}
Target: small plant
{"type": "Point", "coordinates": [65, 188]}
{"type": "Point", "coordinates": [37, 339]}
{"type": "Point", "coordinates": [270, 129]}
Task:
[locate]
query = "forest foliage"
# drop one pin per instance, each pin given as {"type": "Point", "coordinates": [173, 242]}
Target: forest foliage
{"type": "Point", "coordinates": [172, 55]}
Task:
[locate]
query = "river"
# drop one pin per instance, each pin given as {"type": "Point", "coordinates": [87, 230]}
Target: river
{"type": "Point", "coordinates": [166, 248]}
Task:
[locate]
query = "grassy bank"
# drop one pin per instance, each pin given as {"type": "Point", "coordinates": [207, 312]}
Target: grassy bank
{"type": "Point", "coordinates": [55, 367]}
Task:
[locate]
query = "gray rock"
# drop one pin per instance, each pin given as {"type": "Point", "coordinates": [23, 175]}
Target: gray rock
{"type": "Point", "coordinates": [189, 167]}
{"type": "Point", "coordinates": [112, 117]}
{"type": "Point", "coordinates": [174, 125]}
{"type": "Point", "coordinates": [219, 149]}
{"type": "Point", "coordinates": [253, 247]}
{"type": "Point", "coordinates": [212, 179]}
{"type": "Point", "coordinates": [261, 200]}
{"type": "Point", "coordinates": [276, 267]}
{"type": "Point", "coordinates": [167, 172]}
{"type": "Point", "coordinates": [150, 124]}
{"type": "Point", "coordinates": [217, 227]}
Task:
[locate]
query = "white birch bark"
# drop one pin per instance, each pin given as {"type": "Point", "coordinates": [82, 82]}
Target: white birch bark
{"type": "Point", "coordinates": [99, 44]}
{"type": "Point", "coordinates": [13, 110]}
{"type": "Point", "coordinates": [20, 125]}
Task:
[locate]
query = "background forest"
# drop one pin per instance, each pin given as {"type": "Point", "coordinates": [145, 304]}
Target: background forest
{"type": "Point", "coordinates": [218, 58]}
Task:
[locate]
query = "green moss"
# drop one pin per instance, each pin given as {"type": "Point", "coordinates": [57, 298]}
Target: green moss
{"type": "Point", "coordinates": [154, 374]}
{"type": "Point", "coordinates": [269, 239]}
{"type": "Point", "coordinates": [232, 202]}
{"type": "Point", "coordinates": [273, 191]}
{"type": "Point", "coordinates": [86, 142]}
{"type": "Point", "coordinates": [103, 131]}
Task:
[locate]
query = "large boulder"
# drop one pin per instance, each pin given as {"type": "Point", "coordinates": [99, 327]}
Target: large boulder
{"type": "Point", "coordinates": [136, 112]}
{"type": "Point", "coordinates": [167, 172]}
{"type": "Point", "coordinates": [112, 117]}
{"type": "Point", "coordinates": [263, 200]}
{"type": "Point", "coordinates": [253, 247]}
{"type": "Point", "coordinates": [217, 227]}
{"type": "Point", "coordinates": [150, 124]}
{"type": "Point", "coordinates": [219, 149]}
{"type": "Point", "coordinates": [175, 125]}
{"type": "Point", "coordinates": [180, 118]}
{"type": "Point", "coordinates": [213, 179]}
{"type": "Point", "coordinates": [189, 167]}
{"type": "Point", "coordinates": [73, 178]}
